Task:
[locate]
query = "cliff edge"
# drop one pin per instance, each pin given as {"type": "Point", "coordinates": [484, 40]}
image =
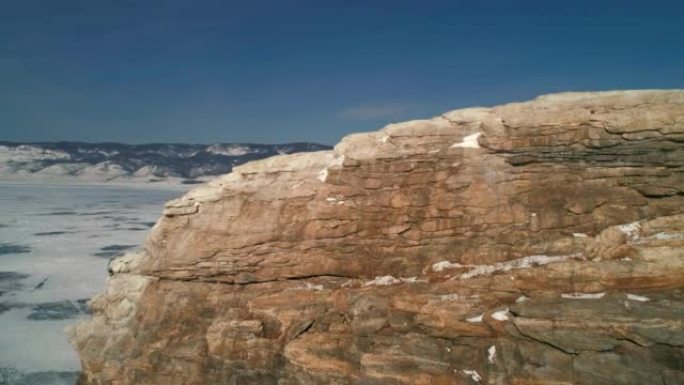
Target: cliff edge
{"type": "Point", "coordinates": [530, 243]}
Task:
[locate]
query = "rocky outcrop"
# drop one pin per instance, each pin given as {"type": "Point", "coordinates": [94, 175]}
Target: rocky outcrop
{"type": "Point", "coordinates": [530, 243]}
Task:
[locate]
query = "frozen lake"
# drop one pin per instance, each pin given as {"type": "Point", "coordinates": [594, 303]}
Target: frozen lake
{"type": "Point", "coordinates": [55, 242]}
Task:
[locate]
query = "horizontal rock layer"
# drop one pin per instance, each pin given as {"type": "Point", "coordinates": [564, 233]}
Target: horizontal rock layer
{"type": "Point", "coordinates": [530, 243]}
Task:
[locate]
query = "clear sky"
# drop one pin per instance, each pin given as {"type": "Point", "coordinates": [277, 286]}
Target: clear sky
{"type": "Point", "coordinates": [276, 71]}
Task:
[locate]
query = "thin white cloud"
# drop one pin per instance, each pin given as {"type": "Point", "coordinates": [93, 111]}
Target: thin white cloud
{"type": "Point", "coordinates": [375, 111]}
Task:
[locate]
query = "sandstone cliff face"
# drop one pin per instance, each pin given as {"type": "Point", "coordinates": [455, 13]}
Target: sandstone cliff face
{"type": "Point", "coordinates": [530, 243]}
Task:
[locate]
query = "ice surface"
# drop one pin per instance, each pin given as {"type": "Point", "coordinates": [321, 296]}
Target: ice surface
{"type": "Point", "coordinates": [44, 283]}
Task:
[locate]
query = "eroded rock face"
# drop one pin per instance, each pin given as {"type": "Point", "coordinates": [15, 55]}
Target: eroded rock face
{"type": "Point", "coordinates": [530, 243]}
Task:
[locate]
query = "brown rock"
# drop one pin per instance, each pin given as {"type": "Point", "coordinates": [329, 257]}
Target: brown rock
{"type": "Point", "coordinates": [530, 243]}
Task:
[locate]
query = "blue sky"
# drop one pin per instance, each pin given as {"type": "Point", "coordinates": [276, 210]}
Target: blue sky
{"type": "Point", "coordinates": [277, 71]}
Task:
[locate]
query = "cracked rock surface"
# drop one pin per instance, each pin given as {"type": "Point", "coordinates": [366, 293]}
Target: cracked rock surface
{"type": "Point", "coordinates": [530, 243]}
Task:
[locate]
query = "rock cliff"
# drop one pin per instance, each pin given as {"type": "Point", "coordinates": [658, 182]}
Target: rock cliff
{"type": "Point", "coordinates": [530, 243]}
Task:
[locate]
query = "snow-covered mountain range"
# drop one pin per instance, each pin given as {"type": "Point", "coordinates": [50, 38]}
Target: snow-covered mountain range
{"type": "Point", "coordinates": [116, 162]}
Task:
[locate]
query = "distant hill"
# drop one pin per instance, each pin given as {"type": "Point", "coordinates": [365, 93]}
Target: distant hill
{"type": "Point", "coordinates": [158, 162]}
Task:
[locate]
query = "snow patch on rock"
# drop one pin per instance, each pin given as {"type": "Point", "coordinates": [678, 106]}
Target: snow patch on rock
{"type": "Point", "coordinates": [323, 175]}
{"type": "Point", "coordinates": [443, 265]}
{"type": "Point", "coordinates": [469, 141]}
{"type": "Point", "coordinates": [522, 263]}
{"type": "Point", "coordinates": [501, 315]}
{"type": "Point", "coordinates": [473, 374]}
{"type": "Point", "coordinates": [449, 297]}
{"type": "Point", "coordinates": [522, 299]}
{"type": "Point", "coordinates": [631, 230]}
{"type": "Point", "coordinates": [668, 236]}
{"type": "Point", "coordinates": [638, 298]}
{"type": "Point", "coordinates": [491, 353]}
{"type": "Point", "coordinates": [411, 280]}
{"type": "Point", "coordinates": [337, 161]}
{"type": "Point", "coordinates": [583, 295]}
{"type": "Point", "coordinates": [385, 280]}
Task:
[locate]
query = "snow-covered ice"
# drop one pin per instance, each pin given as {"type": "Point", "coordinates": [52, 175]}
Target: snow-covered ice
{"type": "Point", "coordinates": [59, 240]}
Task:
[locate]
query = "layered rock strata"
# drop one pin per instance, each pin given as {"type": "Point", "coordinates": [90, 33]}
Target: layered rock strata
{"type": "Point", "coordinates": [530, 243]}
